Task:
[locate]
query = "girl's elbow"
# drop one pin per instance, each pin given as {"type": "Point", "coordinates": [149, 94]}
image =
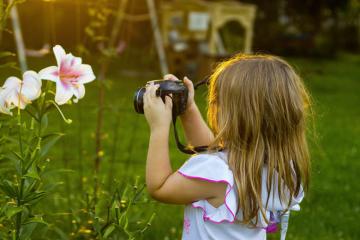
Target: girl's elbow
{"type": "Point", "coordinates": [157, 194]}
{"type": "Point", "coordinates": [151, 189]}
{"type": "Point", "coordinates": [154, 194]}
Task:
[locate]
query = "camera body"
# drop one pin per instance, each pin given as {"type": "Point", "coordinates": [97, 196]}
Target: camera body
{"type": "Point", "coordinates": [176, 88]}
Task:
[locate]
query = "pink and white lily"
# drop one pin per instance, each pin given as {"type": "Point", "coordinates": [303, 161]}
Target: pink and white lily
{"type": "Point", "coordinates": [70, 75]}
{"type": "Point", "coordinates": [3, 106]}
{"type": "Point", "coordinates": [19, 93]}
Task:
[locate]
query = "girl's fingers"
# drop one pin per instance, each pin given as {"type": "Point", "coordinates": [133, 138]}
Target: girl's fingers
{"type": "Point", "coordinates": [150, 94]}
{"type": "Point", "coordinates": [188, 83]}
{"type": "Point", "coordinates": [170, 77]}
{"type": "Point", "coordinates": [147, 98]}
{"type": "Point", "coordinates": [168, 102]}
{"type": "Point", "coordinates": [153, 89]}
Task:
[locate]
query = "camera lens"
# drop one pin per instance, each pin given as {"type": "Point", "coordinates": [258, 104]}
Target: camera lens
{"type": "Point", "coordinates": [139, 100]}
{"type": "Point", "coordinates": [176, 88]}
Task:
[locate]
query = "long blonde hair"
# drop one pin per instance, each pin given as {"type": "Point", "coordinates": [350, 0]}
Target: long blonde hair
{"type": "Point", "coordinates": [257, 109]}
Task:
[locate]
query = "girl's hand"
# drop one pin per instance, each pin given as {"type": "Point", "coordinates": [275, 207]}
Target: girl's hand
{"type": "Point", "coordinates": [196, 130]}
{"type": "Point", "coordinates": [190, 86]}
{"type": "Point", "coordinates": [157, 113]}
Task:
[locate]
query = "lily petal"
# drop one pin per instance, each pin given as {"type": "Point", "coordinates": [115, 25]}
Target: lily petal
{"type": "Point", "coordinates": [3, 107]}
{"type": "Point", "coordinates": [87, 74]}
{"type": "Point", "coordinates": [33, 77]}
{"type": "Point", "coordinates": [21, 101]}
{"type": "Point", "coordinates": [59, 54]}
{"type": "Point", "coordinates": [69, 62]}
{"type": "Point", "coordinates": [79, 91]}
{"type": "Point", "coordinates": [12, 83]}
{"type": "Point", "coordinates": [31, 87]}
{"type": "Point", "coordinates": [63, 93]}
{"type": "Point", "coordinates": [50, 73]}
{"type": "Point", "coordinates": [13, 99]}
{"type": "Point", "coordinates": [74, 61]}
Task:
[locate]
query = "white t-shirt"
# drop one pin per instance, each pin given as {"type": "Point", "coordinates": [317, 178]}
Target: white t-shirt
{"type": "Point", "coordinates": [202, 221]}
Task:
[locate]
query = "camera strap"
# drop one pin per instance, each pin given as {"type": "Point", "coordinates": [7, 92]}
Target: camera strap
{"type": "Point", "coordinates": [191, 149]}
{"type": "Point", "coordinates": [183, 148]}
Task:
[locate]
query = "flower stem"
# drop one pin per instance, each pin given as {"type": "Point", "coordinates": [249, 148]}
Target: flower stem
{"type": "Point", "coordinates": [20, 137]}
{"type": "Point", "coordinates": [21, 186]}
{"type": "Point", "coordinates": [66, 120]}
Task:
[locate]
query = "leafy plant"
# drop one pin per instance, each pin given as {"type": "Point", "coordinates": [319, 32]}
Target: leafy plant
{"type": "Point", "coordinates": [116, 215]}
{"type": "Point", "coordinates": [26, 141]}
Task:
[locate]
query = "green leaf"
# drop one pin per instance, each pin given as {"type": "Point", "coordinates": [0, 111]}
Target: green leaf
{"type": "Point", "coordinates": [109, 229]}
{"type": "Point", "coordinates": [50, 141]}
{"type": "Point", "coordinates": [33, 172]}
{"type": "Point", "coordinates": [17, 160]}
{"type": "Point", "coordinates": [52, 186]}
{"type": "Point", "coordinates": [9, 65]}
{"type": "Point", "coordinates": [57, 171]}
{"type": "Point", "coordinates": [36, 219]}
{"type": "Point", "coordinates": [31, 185]}
{"type": "Point", "coordinates": [34, 197]}
{"type": "Point", "coordinates": [15, 156]}
{"type": "Point", "coordinates": [61, 234]}
{"type": "Point", "coordinates": [12, 210]}
{"type": "Point", "coordinates": [11, 139]}
{"type": "Point", "coordinates": [44, 122]}
{"type": "Point", "coordinates": [96, 225]}
{"type": "Point", "coordinates": [27, 230]}
{"type": "Point", "coordinates": [8, 188]}
{"type": "Point", "coordinates": [6, 54]}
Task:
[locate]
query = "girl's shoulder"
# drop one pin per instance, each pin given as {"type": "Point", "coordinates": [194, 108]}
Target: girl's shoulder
{"type": "Point", "coordinates": [208, 166]}
{"type": "Point", "coordinates": [213, 167]}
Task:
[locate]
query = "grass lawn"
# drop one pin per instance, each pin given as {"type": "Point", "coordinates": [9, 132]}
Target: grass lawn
{"type": "Point", "coordinates": [330, 208]}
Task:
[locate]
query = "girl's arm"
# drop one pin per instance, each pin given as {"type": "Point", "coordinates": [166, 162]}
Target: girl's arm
{"type": "Point", "coordinates": [196, 130]}
{"type": "Point", "coordinates": [162, 183]}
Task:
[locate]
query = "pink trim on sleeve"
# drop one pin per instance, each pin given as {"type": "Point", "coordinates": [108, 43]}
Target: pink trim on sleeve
{"type": "Point", "coordinates": [205, 217]}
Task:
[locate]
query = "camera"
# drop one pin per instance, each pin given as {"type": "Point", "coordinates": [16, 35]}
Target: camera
{"type": "Point", "coordinates": [176, 88]}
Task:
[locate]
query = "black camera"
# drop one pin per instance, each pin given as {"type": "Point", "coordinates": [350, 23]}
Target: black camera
{"type": "Point", "coordinates": [176, 88]}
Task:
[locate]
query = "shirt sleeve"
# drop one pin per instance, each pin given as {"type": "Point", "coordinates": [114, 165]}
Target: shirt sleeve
{"type": "Point", "coordinates": [212, 168]}
{"type": "Point", "coordinates": [276, 209]}
{"type": "Point", "coordinates": [275, 203]}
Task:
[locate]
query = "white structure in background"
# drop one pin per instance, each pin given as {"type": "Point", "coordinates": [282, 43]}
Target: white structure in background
{"type": "Point", "coordinates": [157, 37]}
{"type": "Point", "coordinates": [18, 38]}
{"type": "Point", "coordinates": [201, 21]}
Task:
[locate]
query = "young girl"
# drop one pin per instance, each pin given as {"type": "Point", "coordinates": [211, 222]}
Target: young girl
{"type": "Point", "coordinates": [257, 162]}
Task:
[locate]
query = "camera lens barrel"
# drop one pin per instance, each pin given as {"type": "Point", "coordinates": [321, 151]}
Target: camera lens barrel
{"type": "Point", "coordinates": [139, 100]}
{"type": "Point", "coordinates": [177, 89]}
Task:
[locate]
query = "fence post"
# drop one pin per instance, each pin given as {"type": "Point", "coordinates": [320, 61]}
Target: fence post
{"type": "Point", "coordinates": [157, 36]}
{"type": "Point", "coordinates": [18, 39]}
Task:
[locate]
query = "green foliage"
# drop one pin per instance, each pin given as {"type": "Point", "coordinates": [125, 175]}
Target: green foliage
{"type": "Point", "coordinates": [116, 215]}
{"type": "Point", "coordinates": [5, 11]}
{"type": "Point", "coordinates": [100, 14]}
{"type": "Point", "coordinates": [5, 62]}
{"type": "Point", "coordinates": [4, 15]}
{"type": "Point", "coordinates": [27, 140]}
{"type": "Point", "coordinates": [24, 187]}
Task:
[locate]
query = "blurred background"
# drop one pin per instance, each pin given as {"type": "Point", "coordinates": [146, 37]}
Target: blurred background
{"type": "Point", "coordinates": [129, 42]}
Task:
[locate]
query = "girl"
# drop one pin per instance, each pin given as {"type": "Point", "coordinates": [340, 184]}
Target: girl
{"type": "Point", "coordinates": [257, 161]}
